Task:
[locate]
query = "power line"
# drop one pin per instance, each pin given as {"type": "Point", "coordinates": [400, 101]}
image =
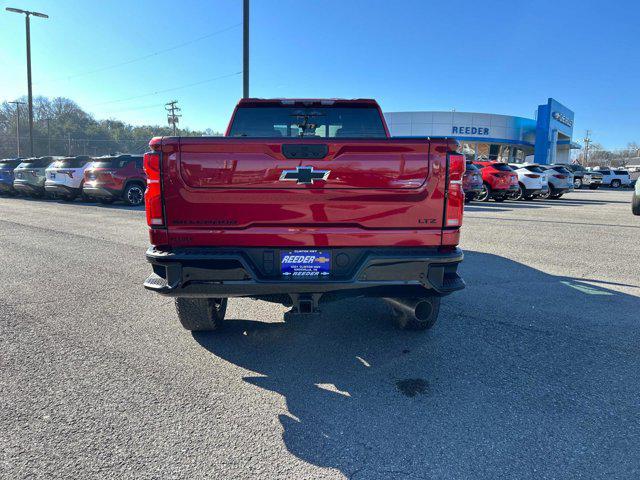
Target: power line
{"type": "Point", "coordinates": [157, 92]}
{"type": "Point", "coordinates": [145, 57]}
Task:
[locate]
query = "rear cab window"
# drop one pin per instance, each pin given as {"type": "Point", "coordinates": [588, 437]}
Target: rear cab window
{"type": "Point", "coordinates": [273, 120]}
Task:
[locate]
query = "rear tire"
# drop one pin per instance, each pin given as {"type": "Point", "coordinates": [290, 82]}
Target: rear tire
{"type": "Point", "coordinates": [616, 183]}
{"type": "Point", "coordinates": [423, 321]}
{"type": "Point", "coordinates": [69, 198]}
{"type": "Point", "coordinates": [483, 196]}
{"type": "Point", "coordinates": [133, 194]}
{"type": "Point", "coordinates": [201, 314]}
{"type": "Point", "coordinates": [577, 183]}
{"type": "Point", "coordinates": [635, 204]}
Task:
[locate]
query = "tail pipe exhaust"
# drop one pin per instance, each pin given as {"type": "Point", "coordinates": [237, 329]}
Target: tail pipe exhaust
{"type": "Point", "coordinates": [419, 308]}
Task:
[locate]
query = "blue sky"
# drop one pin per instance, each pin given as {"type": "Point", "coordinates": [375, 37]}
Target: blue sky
{"type": "Point", "coordinates": [496, 57]}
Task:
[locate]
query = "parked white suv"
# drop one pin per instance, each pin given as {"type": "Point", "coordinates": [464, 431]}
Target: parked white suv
{"type": "Point", "coordinates": [531, 180]}
{"type": "Point", "coordinates": [560, 180]}
{"type": "Point", "coordinates": [615, 178]}
{"type": "Point", "coordinates": [64, 178]}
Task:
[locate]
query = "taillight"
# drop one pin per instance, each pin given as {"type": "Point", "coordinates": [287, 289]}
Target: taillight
{"type": "Point", "coordinates": [531, 175]}
{"type": "Point", "coordinates": [560, 176]}
{"type": "Point", "coordinates": [153, 194]}
{"type": "Point", "coordinates": [454, 206]}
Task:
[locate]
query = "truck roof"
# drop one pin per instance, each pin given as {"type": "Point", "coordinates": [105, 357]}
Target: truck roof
{"type": "Point", "coordinates": [309, 101]}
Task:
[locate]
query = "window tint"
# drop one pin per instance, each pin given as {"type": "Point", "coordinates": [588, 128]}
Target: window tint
{"type": "Point", "coordinates": [117, 162]}
{"type": "Point", "coordinates": [503, 167]}
{"type": "Point", "coordinates": [561, 170]}
{"type": "Point", "coordinates": [471, 166]}
{"type": "Point", "coordinates": [76, 162]}
{"type": "Point", "coordinates": [307, 122]}
{"type": "Point", "coordinates": [139, 163]}
{"type": "Point", "coordinates": [621, 172]}
{"type": "Point", "coordinates": [9, 164]}
{"type": "Point", "coordinates": [37, 162]}
{"type": "Point", "coordinates": [535, 168]}
{"type": "Point", "coordinates": [604, 172]}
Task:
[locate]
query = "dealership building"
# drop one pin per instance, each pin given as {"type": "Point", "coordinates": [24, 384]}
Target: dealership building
{"type": "Point", "coordinates": [496, 137]}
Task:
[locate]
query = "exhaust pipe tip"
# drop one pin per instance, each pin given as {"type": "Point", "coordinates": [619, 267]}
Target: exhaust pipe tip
{"type": "Point", "coordinates": [423, 310]}
{"type": "Point", "coordinates": [418, 308]}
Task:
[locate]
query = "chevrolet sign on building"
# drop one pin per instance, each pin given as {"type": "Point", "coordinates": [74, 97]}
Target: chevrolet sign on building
{"type": "Point", "coordinates": [495, 137]}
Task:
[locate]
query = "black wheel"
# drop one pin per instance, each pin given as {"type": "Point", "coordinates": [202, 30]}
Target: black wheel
{"type": "Point", "coordinates": [519, 194]}
{"type": "Point", "coordinates": [201, 314]}
{"type": "Point", "coordinates": [483, 196]}
{"type": "Point", "coordinates": [420, 315]}
{"type": "Point", "coordinates": [69, 198]}
{"type": "Point", "coordinates": [577, 183]}
{"type": "Point", "coordinates": [133, 194]}
{"type": "Point", "coordinates": [106, 201]}
{"type": "Point", "coordinates": [616, 183]}
{"type": "Point", "coordinates": [635, 204]}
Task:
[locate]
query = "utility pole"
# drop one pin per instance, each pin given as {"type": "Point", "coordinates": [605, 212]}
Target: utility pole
{"type": "Point", "coordinates": [172, 116]}
{"type": "Point", "coordinates": [68, 144]}
{"type": "Point", "coordinates": [27, 16]}
{"type": "Point", "coordinates": [48, 137]}
{"type": "Point", "coordinates": [587, 141]}
{"type": "Point", "coordinates": [245, 49]}
{"type": "Point", "coordinates": [17, 104]}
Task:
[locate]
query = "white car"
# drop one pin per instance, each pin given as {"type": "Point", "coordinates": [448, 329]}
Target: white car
{"type": "Point", "coordinates": [615, 178]}
{"type": "Point", "coordinates": [531, 180]}
{"type": "Point", "coordinates": [64, 178]}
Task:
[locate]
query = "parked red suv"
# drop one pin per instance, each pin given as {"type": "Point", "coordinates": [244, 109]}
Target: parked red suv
{"type": "Point", "coordinates": [111, 178]}
{"type": "Point", "coordinates": [498, 181]}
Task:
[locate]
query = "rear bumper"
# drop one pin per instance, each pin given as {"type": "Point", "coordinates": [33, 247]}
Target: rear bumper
{"type": "Point", "coordinates": [560, 190]}
{"type": "Point", "coordinates": [22, 186]}
{"type": "Point", "coordinates": [6, 187]}
{"type": "Point", "coordinates": [100, 192]}
{"type": "Point", "coordinates": [59, 188]}
{"type": "Point", "coordinates": [255, 272]}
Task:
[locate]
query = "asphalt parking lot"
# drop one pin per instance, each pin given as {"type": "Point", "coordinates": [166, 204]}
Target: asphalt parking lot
{"type": "Point", "coordinates": [531, 372]}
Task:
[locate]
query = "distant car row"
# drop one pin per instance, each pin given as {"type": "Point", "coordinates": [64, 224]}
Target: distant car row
{"type": "Point", "coordinates": [526, 181]}
{"type": "Point", "coordinates": [105, 179]}
{"type": "Point", "coordinates": [500, 181]}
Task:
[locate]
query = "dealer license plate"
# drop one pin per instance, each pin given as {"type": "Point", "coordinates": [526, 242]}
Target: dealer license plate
{"type": "Point", "coordinates": [305, 263]}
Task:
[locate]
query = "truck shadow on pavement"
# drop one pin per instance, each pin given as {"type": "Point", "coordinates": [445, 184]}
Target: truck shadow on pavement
{"type": "Point", "coordinates": [526, 374]}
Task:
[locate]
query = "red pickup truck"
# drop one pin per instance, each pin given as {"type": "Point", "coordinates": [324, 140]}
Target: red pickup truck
{"type": "Point", "coordinates": [304, 202]}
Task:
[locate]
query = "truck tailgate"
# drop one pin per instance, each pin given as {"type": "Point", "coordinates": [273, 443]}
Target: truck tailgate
{"type": "Point", "coordinates": [297, 192]}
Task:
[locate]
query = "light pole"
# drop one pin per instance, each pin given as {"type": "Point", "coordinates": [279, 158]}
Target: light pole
{"type": "Point", "coordinates": [245, 49]}
{"type": "Point", "coordinates": [17, 104]}
{"type": "Point", "coordinates": [27, 16]}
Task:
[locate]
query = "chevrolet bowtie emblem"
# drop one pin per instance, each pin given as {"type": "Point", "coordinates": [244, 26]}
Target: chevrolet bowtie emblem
{"type": "Point", "coordinates": [305, 175]}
